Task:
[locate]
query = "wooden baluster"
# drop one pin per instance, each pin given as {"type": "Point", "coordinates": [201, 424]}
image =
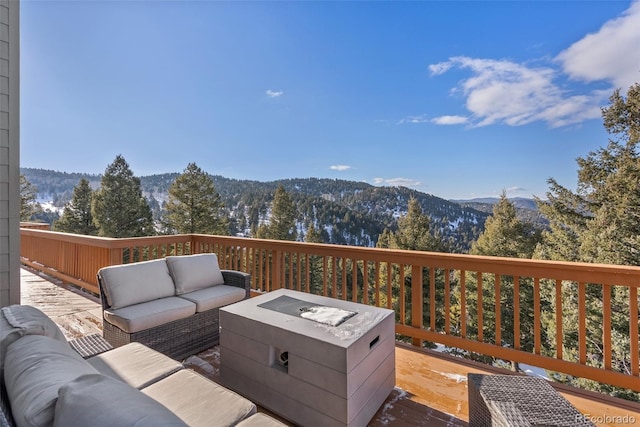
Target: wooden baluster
{"type": "Point", "coordinates": [537, 337]}
{"type": "Point", "coordinates": [498, 308]}
{"type": "Point", "coordinates": [516, 312]}
{"type": "Point", "coordinates": [389, 287]}
{"type": "Point", "coordinates": [416, 301]}
{"type": "Point", "coordinates": [447, 301]}
{"type": "Point", "coordinates": [354, 280]}
{"type": "Point", "coordinates": [606, 325]}
{"type": "Point", "coordinates": [559, 326]}
{"type": "Point", "coordinates": [432, 298]}
{"type": "Point", "coordinates": [582, 325]}
{"type": "Point", "coordinates": [377, 284]}
{"type": "Point", "coordinates": [325, 275]}
{"type": "Point", "coordinates": [463, 304]}
{"type": "Point", "coordinates": [307, 267]}
{"type": "Point", "coordinates": [480, 319]}
{"type": "Point", "coordinates": [365, 282]}
{"type": "Point", "coordinates": [344, 279]}
{"type": "Point", "coordinates": [633, 329]}
{"type": "Point", "coordinates": [402, 296]}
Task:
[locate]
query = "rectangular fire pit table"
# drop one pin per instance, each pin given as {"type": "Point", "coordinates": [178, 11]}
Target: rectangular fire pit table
{"type": "Point", "coordinates": [313, 360]}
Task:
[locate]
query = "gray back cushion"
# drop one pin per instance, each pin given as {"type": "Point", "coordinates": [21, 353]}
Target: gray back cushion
{"type": "Point", "coordinates": [17, 321]}
{"type": "Point", "coordinates": [100, 401]}
{"type": "Point", "coordinates": [194, 272]}
{"type": "Point", "coordinates": [35, 369]}
{"type": "Point", "coordinates": [134, 283]}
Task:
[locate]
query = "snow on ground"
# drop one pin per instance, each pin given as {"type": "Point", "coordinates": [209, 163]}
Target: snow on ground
{"type": "Point", "coordinates": [196, 361]}
{"type": "Point", "coordinates": [47, 205]}
{"type": "Point", "coordinates": [456, 377]}
{"type": "Point", "coordinates": [386, 418]}
{"type": "Point", "coordinates": [531, 370]}
{"type": "Point", "coordinates": [534, 371]}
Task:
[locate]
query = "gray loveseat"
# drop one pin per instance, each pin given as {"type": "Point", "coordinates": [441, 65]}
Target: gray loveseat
{"type": "Point", "coordinates": [170, 304]}
{"type": "Point", "coordinates": [44, 382]}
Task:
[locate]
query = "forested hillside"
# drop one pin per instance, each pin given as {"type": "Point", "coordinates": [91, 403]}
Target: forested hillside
{"type": "Point", "coordinates": [344, 212]}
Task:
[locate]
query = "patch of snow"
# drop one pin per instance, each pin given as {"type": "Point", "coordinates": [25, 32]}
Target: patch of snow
{"type": "Point", "coordinates": [400, 395]}
{"type": "Point", "coordinates": [196, 361]}
{"type": "Point", "coordinates": [47, 205]}
{"type": "Point", "coordinates": [534, 371]}
{"type": "Point", "coordinates": [355, 327]}
{"type": "Point", "coordinates": [456, 377]}
{"type": "Point", "coordinates": [331, 316]}
{"type": "Point", "coordinates": [454, 224]}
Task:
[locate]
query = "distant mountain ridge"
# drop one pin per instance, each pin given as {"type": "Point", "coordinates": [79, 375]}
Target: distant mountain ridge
{"type": "Point", "coordinates": [526, 209]}
{"type": "Point", "coordinates": [345, 212]}
{"type": "Point", "coordinates": [518, 202]}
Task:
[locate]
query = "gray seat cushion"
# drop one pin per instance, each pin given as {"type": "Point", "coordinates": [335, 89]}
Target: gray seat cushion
{"type": "Point", "coordinates": [140, 317]}
{"type": "Point", "coordinates": [193, 272]}
{"type": "Point", "coordinates": [130, 284]}
{"type": "Point", "coordinates": [35, 368]}
{"type": "Point", "coordinates": [215, 296]}
{"type": "Point", "coordinates": [101, 401]}
{"type": "Point", "coordinates": [199, 401]}
{"type": "Point", "coordinates": [260, 420]}
{"type": "Point", "coordinates": [135, 364]}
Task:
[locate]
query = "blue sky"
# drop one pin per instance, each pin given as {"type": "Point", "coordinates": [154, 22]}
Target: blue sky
{"type": "Point", "coordinates": [457, 99]}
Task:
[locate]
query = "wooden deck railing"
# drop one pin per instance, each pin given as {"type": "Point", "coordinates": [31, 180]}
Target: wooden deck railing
{"type": "Point", "coordinates": [459, 301]}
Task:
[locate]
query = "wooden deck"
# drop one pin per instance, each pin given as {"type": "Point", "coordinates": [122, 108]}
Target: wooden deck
{"type": "Point", "coordinates": [431, 388]}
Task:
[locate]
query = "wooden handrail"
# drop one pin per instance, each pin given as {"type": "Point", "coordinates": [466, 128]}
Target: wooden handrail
{"type": "Point", "coordinates": [482, 305]}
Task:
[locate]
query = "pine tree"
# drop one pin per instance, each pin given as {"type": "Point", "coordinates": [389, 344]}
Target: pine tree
{"type": "Point", "coordinates": [601, 217]}
{"type": "Point", "coordinates": [315, 262]}
{"type": "Point", "coordinates": [313, 235]}
{"type": "Point", "coordinates": [118, 208]}
{"type": "Point", "coordinates": [282, 223]}
{"type": "Point", "coordinates": [29, 205]}
{"type": "Point", "coordinates": [415, 231]}
{"type": "Point", "coordinates": [505, 235]}
{"type": "Point", "coordinates": [77, 217]}
{"type": "Point", "coordinates": [194, 205]}
{"type": "Point", "coordinates": [600, 222]}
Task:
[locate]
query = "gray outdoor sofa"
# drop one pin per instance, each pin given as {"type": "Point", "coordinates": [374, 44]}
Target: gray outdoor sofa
{"type": "Point", "coordinates": [45, 382]}
{"type": "Point", "coordinates": [170, 304]}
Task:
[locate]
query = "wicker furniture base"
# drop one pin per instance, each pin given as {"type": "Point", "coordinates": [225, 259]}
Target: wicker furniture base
{"type": "Point", "coordinates": [514, 400]}
{"type": "Point", "coordinates": [178, 339]}
{"type": "Point", "coordinates": [90, 345]}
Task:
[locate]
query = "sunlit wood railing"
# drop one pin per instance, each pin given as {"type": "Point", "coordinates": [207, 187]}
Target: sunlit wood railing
{"type": "Point", "coordinates": [35, 225]}
{"type": "Point", "coordinates": [438, 298]}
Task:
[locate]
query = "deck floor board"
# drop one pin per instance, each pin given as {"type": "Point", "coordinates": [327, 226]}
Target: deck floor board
{"type": "Point", "coordinates": [431, 388]}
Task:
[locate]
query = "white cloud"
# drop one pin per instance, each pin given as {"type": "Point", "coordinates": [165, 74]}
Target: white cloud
{"type": "Point", "coordinates": [397, 182]}
{"type": "Point", "coordinates": [612, 54]}
{"type": "Point", "coordinates": [502, 91]}
{"type": "Point", "coordinates": [450, 120]}
{"type": "Point", "coordinates": [274, 94]}
{"type": "Point", "coordinates": [515, 190]}
{"type": "Point", "coordinates": [441, 68]}
{"type": "Point", "coordinates": [339, 167]}
{"type": "Point", "coordinates": [414, 120]}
